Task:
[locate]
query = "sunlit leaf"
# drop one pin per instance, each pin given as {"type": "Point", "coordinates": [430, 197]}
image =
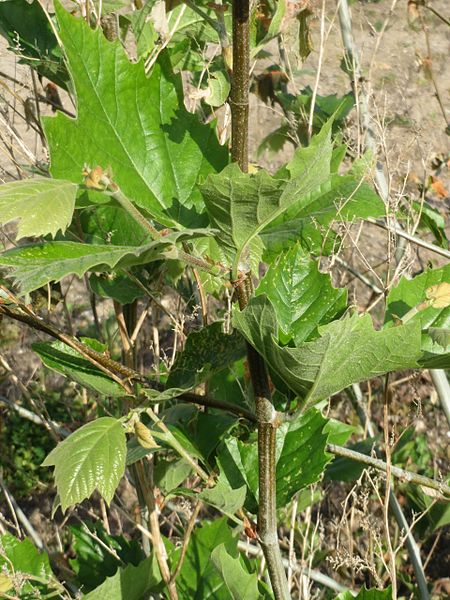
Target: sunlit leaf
{"type": "Point", "coordinates": [41, 205]}
{"type": "Point", "coordinates": [135, 124]}
{"type": "Point", "coordinates": [92, 458]}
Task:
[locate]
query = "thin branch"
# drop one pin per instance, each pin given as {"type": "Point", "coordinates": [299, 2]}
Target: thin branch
{"type": "Point", "coordinates": [411, 238]}
{"type": "Point", "coordinates": [380, 465]}
{"type": "Point", "coordinates": [21, 516]}
{"type": "Point", "coordinates": [187, 537]}
{"type": "Point", "coordinates": [313, 574]}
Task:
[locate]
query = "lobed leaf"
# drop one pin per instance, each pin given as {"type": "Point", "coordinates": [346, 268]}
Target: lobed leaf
{"type": "Point", "coordinates": [38, 264]}
{"type": "Point", "coordinates": [348, 350]}
{"type": "Point", "coordinates": [135, 124]}
{"type": "Point", "coordinates": [42, 205]}
{"type": "Point", "coordinates": [91, 458]}
{"type": "Point", "coordinates": [240, 205]}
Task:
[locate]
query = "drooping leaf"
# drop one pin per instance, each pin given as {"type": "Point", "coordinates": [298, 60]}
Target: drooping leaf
{"type": "Point", "coordinates": [347, 351]}
{"type": "Point", "coordinates": [410, 293]}
{"type": "Point", "coordinates": [206, 351]}
{"type": "Point", "coordinates": [135, 124]}
{"type": "Point", "coordinates": [42, 205]}
{"type": "Point", "coordinates": [29, 33]}
{"type": "Point", "coordinates": [70, 363]}
{"type": "Point", "coordinates": [302, 297]}
{"type": "Point", "coordinates": [132, 583]}
{"type": "Point", "coordinates": [38, 264]}
{"type": "Point", "coordinates": [240, 205]}
{"type": "Point", "coordinates": [93, 457]}
{"type": "Point", "coordinates": [241, 584]}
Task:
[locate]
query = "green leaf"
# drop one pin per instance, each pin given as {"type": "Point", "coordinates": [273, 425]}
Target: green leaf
{"type": "Point", "coordinates": [94, 560]}
{"type": "Point", "coordinates": [118, 287]}
{"type": "Point", "coordinates": [30, 35]}
{"type": "Point", "coordinates": [132, 583]}
{"type": "Point", "coordinates": [410, 293]}
{"type": "Point", "coordinates": [241, 584]}
{"type": "Point", "coordinates": [24, 556]}
{"type": "Point", "coordinates": [365, 594]}
{"type": "Point", "coordinates": [302, 297]}
{"type": "Point", "coordinates": [316, 239]}
{"type": "Point", "coordinates": [199, 579]}
{"type": "Point", "coordinates": [348, 351]}
{"type": "Point", "coordinates": [240, 205]}
{"type": "Point", "coordinates": [135, 124]}
{"type": "Point", "coordinates": [301, 458]}
{"type": "Point", "coordinates": [38, 264]}
{"type": "Point", "coordinates": [224, 497]}
{"type": "Point", "coordinates": [91, 458]}
{"type": "Point", "coordinates": [206, 351]}
{"type": "Point", "coordinates": [218, 89]}
{"type": "Point", "coordinates": [42, 205]}
{"type": "Point", "coordinates": [70, 363]}
{"type": "Point", "coordinates": [169, 474]}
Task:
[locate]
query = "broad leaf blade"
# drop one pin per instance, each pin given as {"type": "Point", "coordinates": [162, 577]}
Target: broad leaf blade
{"type": "Point", "coordinates": [302, 297]}
{"type": "Point", "coordinates": [91, 458]}
{"type": "Point", "coordinates": [241, 584]}
{"type": "Point", "coordinates": [132, 583]}
{"type": "Point", "coordinates": [67, 361]}
{"type": "Point", "coordinates": [348, 351]}
{"type": "Point", "coordinates": [240, 205]}
{"type": "Point", "coordinates": [38, 264]}
{"type": "Point", "coordinates": [42, 205]}
{"type": "Point", "coordinates": [135, 124]}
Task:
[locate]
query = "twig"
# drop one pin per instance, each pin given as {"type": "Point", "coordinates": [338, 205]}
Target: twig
{"type": "Point", "coordinates": [313, 574]}
{"type": "Point", "coordinates": [380, 465]}
{"type": "Point", "coordinates": [435, 12]}
{"type": "Point", "coordinates": [146, 484]}
{"type": "Point", "coordinates": [411, 238]}
{"type": "Point", "coordinates": [33, 417]}
{"type": "Point", "coordinates": [187, 537]}
{"type": "Point", "coordinates": [358, 275]}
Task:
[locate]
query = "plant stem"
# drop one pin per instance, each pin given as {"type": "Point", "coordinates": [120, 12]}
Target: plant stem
{"type": "Point", "coordinates": [266, 415]}
{"type": "Point", "coordinates": [240, 83]}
